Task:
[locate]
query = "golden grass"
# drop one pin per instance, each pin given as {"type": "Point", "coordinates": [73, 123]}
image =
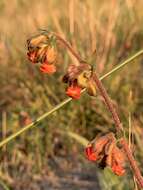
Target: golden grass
{"type": "Point", "coordinates": [114, 29]}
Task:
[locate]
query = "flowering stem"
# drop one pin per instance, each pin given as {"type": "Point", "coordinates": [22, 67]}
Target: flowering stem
{"type": "Point", "coordinates": [119, 128]}
{"type": "Point", "coordinates": [111, 108]}
{"type": "Point", "coordinates": [56, 108]}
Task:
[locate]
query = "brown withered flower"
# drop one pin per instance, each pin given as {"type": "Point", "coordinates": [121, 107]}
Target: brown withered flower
{"type": "Point", "coordinates": [105, 152]}
{"type": "Point", "coordinates": [78, 78]}
{"type": "Point", "coordinates": [42, 49]}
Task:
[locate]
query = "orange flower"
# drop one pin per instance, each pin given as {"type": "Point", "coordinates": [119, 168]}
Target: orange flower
{"type": "Point", "coordinates": [73, 91]}
{"type": "Point", "coordinates": [91, 155]}
{"type": "Point", "coordinates": [47, 68]}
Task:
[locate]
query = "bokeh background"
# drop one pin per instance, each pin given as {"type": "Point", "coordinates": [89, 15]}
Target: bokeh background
{"type": "Point", "coordinates": [48, 157]}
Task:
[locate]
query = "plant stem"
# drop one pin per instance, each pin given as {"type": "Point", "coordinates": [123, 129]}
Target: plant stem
{"type": "Point", "coordinates": [69, 47]}
{"type": "Point", "coordinates": [60, 105]}
{"type": "Point", "coordinates": [125, 62]}
{"type": "Point", "coordinates": [34, 123]}
{"type": "Point", "coordinates": [133, 164]}
{"type": "Point", "coordinates": [111, 108]}
{"type": "Point", "coordinates": [119, 128]}
{"type": "Point", "coordinates": [108, 102]}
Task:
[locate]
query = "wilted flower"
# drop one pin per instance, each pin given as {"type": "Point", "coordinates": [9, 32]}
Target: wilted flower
{"type": "Point", "coordinates": [74, 71]}
{"type": "Point", "coordinates": [80, 75]}
{"type": "Point", "coordinates": [105, 151]}
{"type": "Point", "coordinates": [41, 50]}
{"type": "Point", "coordinates": [117, 161]}
{"type": "Point", "coordinates": [97, 147]}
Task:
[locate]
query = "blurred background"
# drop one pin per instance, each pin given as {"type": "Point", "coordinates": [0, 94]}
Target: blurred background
{"type": "Point", "coordinates": [46, 157]}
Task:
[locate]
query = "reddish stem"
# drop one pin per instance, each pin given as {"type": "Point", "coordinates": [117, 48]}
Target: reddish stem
{"type": "Point", "coordinates": [133, 163]}
{"type": "Point", "coordinates": [69, 47]}
{"type": "Point", "coordinates": [108, 102]}
{"type": "Point", "coordinates": [119, 128]}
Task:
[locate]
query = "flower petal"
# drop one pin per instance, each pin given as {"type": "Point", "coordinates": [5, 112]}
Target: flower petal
{"type": "Point", "coordinates": [90, 154]}
{"type": "Point", "coordinates": [46, 68]}
{"type": "Point", "coordinates": [73, 92]}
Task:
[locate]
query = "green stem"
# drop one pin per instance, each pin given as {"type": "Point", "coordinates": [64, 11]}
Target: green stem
{"type": "Point", "coordinates": [123, 64]}
{"type": "Point", "coordinates": [56, 108]}
{"type": "Point", "coordinates": [34, 123]}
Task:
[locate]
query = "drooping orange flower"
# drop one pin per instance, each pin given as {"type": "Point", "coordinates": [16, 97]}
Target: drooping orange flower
{"type": "Point", "coordinates": [104, 150]}
{"type": "Point", "coordinates": [73, 91]}
{"type": "Point", "coordinates": [41, 50]}
{"type": "Point", "coordinates": [47, 68]}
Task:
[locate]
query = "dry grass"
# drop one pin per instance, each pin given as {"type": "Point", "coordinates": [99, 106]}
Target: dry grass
{"type": "Point", "coordinates": [114, 29]}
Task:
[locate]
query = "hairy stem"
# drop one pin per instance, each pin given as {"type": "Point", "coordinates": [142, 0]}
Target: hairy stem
{"type": "Point", "coordinates": [108, 102]}
{"type": "Point", "coordinates": [132, 161]}
{"type": "Point", "coordinates": [119, 128]}
{"type": "Point", "coordinates": [69, 47]}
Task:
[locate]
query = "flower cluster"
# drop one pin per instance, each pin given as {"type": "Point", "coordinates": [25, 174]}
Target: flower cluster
{"type": "Point", "coordinates": [42, 49]}
{"type": "Point", "coordinates": [78, 78]}
{"type": "Point", "coordinates": [105, 152]}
